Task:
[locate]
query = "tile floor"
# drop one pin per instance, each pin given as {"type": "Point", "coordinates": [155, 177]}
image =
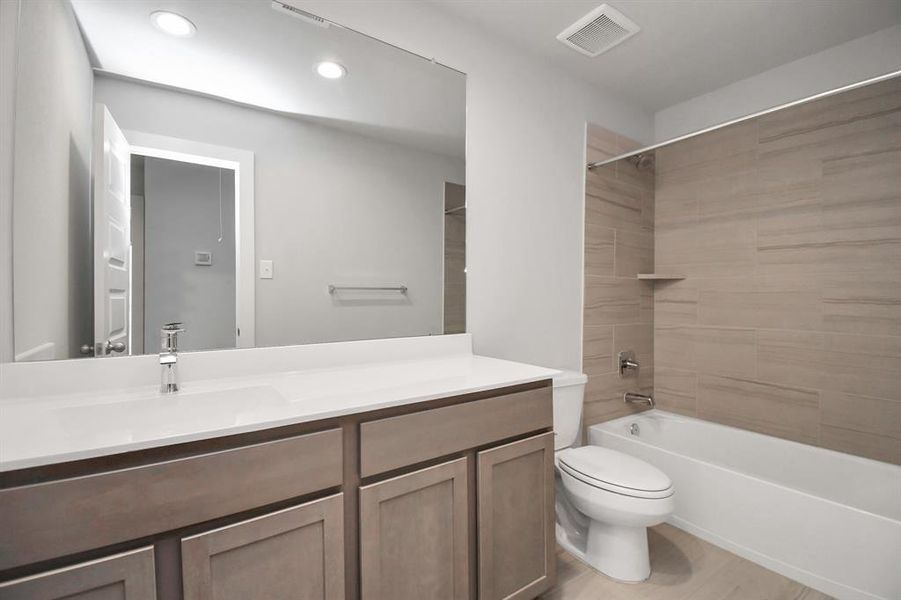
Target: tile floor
{"type": "Point", "coordinates": [683, 567]}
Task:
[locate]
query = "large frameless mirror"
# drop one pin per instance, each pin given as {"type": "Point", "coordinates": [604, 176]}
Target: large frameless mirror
{"type": "Point", "coordinates": [244, 168]}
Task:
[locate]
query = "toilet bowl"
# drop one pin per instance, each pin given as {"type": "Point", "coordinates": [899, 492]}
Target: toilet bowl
{"type": "Point", "coordinates": [606, 499]}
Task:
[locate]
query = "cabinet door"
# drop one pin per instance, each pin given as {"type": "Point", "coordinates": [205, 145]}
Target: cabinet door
{"type": "Point", "coordinates": [296, 553]}
{"type": "Point", "coordinates": [414, 535]}
{"type": "Point", "coordinates": [516, 519]}
{"type": "Point", "coordinates": [127, 576]}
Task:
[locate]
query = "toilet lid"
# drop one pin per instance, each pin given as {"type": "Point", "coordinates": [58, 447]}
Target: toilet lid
{"type": "Point", "coordinates": [616, 472]}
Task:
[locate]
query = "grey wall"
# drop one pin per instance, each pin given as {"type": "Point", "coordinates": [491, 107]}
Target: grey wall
{"type": "Point", "coordinates": [869, 56]}
{"type": "Point", "coordinates": [525, 175]}
{"type": "Point", "coordinates": [181, 215]}
{"type": "Point", "coordinates": [51, 217]}
{"type": "Point", "coordinates": [331, 207]}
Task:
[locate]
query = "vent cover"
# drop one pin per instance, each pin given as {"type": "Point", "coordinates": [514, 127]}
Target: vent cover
{"type": "Point", "coordinates": [598, 31]}
{"type": "Point", "coordinates": [299, 14]}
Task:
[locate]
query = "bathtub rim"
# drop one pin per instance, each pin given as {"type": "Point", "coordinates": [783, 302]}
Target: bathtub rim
{"type": "Point", "coordinates": [685, 418]}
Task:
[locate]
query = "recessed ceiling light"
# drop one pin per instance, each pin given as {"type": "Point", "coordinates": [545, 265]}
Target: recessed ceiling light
{"type": "Point", "coordinates": [173, 24]}
{"type": "Point", "coordinates": [331, 70]}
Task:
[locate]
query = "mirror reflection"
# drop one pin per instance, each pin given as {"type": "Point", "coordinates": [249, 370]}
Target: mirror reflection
{"type": "Point", "coordinates": [243, 168]}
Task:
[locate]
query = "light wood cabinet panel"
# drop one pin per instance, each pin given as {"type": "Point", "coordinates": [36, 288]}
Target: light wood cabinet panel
{"type": "Point", "coordinates": [127, 576]}
{"type": "Point", "coordinates": [62, 517]}
{"type": "Point", "coordinates": [414, 535]}
{"type": "Point", "coordinates": [405, 440]}
{"type": "Point", "coordinates": [296, 553]}
{"type": "Point", "coordinates": [516, 519]}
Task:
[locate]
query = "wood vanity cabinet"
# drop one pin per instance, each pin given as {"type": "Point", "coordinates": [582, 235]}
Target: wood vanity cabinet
{"type": "Point", "coordinates": [516, 519]}
{"type": "Point", "coordinates": [297, 552]}
{"type": "Point", "coordinates": [450, 499]}
{"type": "Point", "coordinates": [126, 576]}
{"type": "Point", "coordinates": [414, 532]}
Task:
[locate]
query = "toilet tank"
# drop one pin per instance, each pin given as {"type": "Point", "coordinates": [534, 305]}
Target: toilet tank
{"type": "Point", "coordinates": [569, 391]}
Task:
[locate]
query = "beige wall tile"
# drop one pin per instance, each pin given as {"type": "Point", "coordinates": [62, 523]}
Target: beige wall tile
{"type": "Point", "coordinates": [676, 302]}
{"type": "Point", "coordinates": [610, 300]}
{"type": "Point", "coordinates": [597, 350]}
{"type": "Point", "coordinates": [771, 301]}
{"type": "Point", "coordinates": [863, 301]}
{"type": "Point", "coordinates": [638, 338]}
{"type": "Point", "coordinates": [789, 231]}
{"type": "Point", "coordinates": [789, 301]}
{"type": "Point", "coordinates": [676, 390]}
{"type": "Point", "coordinates": [618, 308]}
{"type": "Point", "coordinates": [708, 250]}
{"type": "Point", "coordinates": [602, 143]}
{"type": "Point", "coordinates": [877, 447]}
{"type": "Point", "coordinates": [646, 302]}
{"type": "Point", "coordinates": [675, 202]}
{"type": "Point", "coordinates": [634, 252]}
{"type": "Point", "coordinates": [856, 364]}
{"type": "Point", "coordinates": [613, 203]}
{"type": "Point", "coordinates": [858, 413]}
{"type": "Point", "coordinates": [599, 250]}
{"type": "Point", "coordinates": [725, 351]}
{"type": "Point", "coordinates": [777, 410]}
{"type": "Point", "coordinates": [728, 302]}
{"type": "Point", "coordinates": [604, 396]}
{"type": "Point", "coordinates": [674, 347]}
{"type": "Point", "coordinates": [708, 148]}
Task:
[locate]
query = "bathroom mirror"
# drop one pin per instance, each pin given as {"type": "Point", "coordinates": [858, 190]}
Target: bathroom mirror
{"type": "Point", "coordinates": [245, 168]}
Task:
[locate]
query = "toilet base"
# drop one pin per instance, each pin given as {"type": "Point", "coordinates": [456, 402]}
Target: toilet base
{"type": "Point", "coordinates": [619, 555]}
{"type": "Point", "coordinates": [618, 551]}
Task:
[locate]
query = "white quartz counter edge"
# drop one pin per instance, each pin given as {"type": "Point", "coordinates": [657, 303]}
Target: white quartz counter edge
{"type": "Point", "coordinates": [37, 431]}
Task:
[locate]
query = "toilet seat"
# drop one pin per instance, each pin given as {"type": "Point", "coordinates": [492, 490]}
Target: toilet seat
{"type": "Point", "coordinates": [615, 472]}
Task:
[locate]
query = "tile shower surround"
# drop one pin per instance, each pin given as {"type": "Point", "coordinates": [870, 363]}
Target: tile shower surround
{"type": "Point", "coordinates": [787, 228]}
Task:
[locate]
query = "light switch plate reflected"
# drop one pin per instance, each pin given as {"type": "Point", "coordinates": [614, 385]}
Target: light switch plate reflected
{"type": "Point", "coordinates": [265, 269]}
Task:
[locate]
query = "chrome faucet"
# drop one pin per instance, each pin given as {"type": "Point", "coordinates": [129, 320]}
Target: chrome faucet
{"type": "Point", "coordinates": [169, 357]}
{"type": "Point", "coordinates": [633, 398]}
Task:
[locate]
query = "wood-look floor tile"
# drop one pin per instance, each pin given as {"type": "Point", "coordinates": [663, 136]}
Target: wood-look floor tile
{"type": "Point", "coordinates": [683, 567]}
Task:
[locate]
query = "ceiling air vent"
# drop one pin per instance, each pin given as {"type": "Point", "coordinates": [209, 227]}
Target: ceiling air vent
{"type": "Point", "coordinates": [598, 31]}
{"type": "Point", "coordinates": [300, 14]}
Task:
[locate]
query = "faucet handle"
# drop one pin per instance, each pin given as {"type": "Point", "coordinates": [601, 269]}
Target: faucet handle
{"type": "Point", "coordinates": [627, 362]}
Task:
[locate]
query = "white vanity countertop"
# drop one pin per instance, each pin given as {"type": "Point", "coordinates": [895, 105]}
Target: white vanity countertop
{"type": "Point", "coordinates": [58, 428]}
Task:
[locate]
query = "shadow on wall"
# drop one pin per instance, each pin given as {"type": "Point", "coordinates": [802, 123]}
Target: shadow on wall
{"type": "Point", "coordinates": [80, 266]}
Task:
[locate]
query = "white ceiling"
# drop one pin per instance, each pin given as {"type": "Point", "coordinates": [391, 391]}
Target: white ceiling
{"type": "Point", "coordinates": [685, 47]}
{"type": "Point", "coordinates": [246, 52]}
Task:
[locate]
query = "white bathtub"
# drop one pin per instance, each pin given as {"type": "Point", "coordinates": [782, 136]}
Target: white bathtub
{"type": "Point", "coordinates": [829, 520]}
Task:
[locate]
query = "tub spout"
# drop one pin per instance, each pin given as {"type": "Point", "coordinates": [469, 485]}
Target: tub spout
{"type": "Point", "coordinates": [633, 398]}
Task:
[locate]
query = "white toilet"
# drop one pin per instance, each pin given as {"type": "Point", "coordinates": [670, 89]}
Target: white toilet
{"type": "Point", "coordinates": [606, 500]}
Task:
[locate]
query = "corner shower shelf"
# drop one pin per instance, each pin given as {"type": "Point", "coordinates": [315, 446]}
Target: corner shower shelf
{"type": "Point", "coordinates": [660, 277]}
